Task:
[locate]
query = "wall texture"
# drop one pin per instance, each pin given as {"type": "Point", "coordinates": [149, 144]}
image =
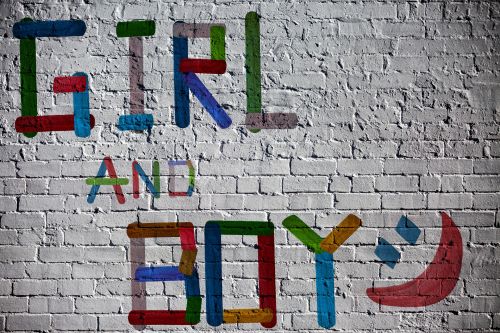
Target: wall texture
{"type": "Point", "coordinates": [398, 114]}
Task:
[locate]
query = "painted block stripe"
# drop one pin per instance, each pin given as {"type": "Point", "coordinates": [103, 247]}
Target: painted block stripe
{"type": "Point", "coordinates": [217, 43]}
{"type": "Point", "coordinates": [152, 230]}
{"type": "Point", "coordinates": [68, 84]}
{"type": "Point", "coordinates": [341, 233]}
{"type": "Point", "coordinates": [247, 316]}
{"type": "Point", "coordinates": [207, 100]}
{"type": "Point", "coordinates": [106, 181]}
{"type": "Point", "coordinates": [408, 230]}
{"type": "Point", "coordinates": [205, 66]}
{"type": "Point", "coordinates": [135, 122]}
{"type": "Point", "coordinates": [255, 228]}
{"type": "Point", "coordinates": [158, 273]}
{"type": "Point", "coordinates": [387, 252]}
{"type": "Point", "coordinates": [271, 120]}
{"type": "Point", "coordinates": [325, 289]}
{"type": "Point", "coordinates": [61, 28]}
{"type": "Point", "coordinates": [194, 30]}
{"type": "Point", "coordinates": [135, 28]}
{"type": "Point", "coordinates": [304, 233]}
{"type": "Point", "coordinates": [26, 124]}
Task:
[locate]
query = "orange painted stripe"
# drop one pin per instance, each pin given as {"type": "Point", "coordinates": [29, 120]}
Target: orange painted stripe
{"type": "Point", "coordinates": [341, 233]}
{"type": "Point", "coordinates": [151, 230]}
{"type": "Point", "coordinates": [247, 316]}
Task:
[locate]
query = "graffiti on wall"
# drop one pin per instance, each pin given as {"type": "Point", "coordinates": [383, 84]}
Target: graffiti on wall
{"type": "Point", "coordinates": [435, 283]}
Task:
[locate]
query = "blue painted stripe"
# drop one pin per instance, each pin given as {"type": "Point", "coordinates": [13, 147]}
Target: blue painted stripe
{"type": "Point", "coordinates": [81, 110]}
{"type": "Point", "coordinates": [135, 122]}
{"type": "Point", "coordinates": [408, 230]}
{"type": "Point", "coordinates": [192, 283]}
{"type": "Point", "coordinates": [149, 185]}
{"type": "Point", "coordinates": [158, 273]}
{"type": "Point", "coordinates": [95, 188]}
{"type": "Point", "coordinates": [387, 253]}
{"type": "Point", "coordinates": [207, 100]}
{"type": "Point", "coordinates": [181, 91]}
{"type": "Point", "coordinates": [175, 163]}
{"type": "Point", "coordinates": [325, 289]}
{"type": "Point", "coordinates": [213, 274]}
{"type": "Point", "coordinates": [63, 28]}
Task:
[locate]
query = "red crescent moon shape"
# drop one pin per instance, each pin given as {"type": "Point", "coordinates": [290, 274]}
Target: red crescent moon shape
{"type": "Point", "coordinates": [438, 279]}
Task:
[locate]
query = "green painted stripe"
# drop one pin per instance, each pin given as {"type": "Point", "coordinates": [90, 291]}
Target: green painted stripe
{"type": "Point", "coordinates": [218, 43]}
{"type": "Point", "coordinates": [254, 228]}
{"type": "Point", "coordinates": [304, 233]}
{"type": "Point", "coordinates": [135, 28]}
{"type": "Point", "coordinates": [156, 178]}
{"type": "Point", "coordinates": [252, 64]}
{"type": "Point", "coordinates": [28, 78]}
{"type": "Point", "coordinates": [193, 308]}
{"type": "Point", "coordinates": [106, 181]}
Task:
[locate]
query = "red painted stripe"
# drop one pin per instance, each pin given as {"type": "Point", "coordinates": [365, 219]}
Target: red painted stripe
{"type": "Point", "coordinates": [204, 66]}
{"type": "Point", "coordinates": [135, 181]}
{"type": "Point", "coordinates": [157, 317]}
{"type": "Point", "coordinates": [267, 277]}
{"type": "Point", "coordinates": [112, 174]}
{"type": "Point", "coordinates": [67, 84]}
{"type": "Point", "coordinates": [47, 123]}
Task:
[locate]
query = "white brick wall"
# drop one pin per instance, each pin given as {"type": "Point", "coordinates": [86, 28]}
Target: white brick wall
{"type": "Point", "coordinates": [398, 107]}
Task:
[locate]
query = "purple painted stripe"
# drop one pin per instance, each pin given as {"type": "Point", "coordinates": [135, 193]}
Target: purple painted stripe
{"type": "Point", "coordinates": [194, 30]}
{"type": "Point", "coordinates": [271, 120]}
{"type": "Point", "coordinates": [136, 75]}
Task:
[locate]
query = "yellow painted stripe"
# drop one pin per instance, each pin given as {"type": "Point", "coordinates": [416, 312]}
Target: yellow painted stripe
{"type": "Point", "coordinates": [247, 316]}
{"type": "Point", "coordinates": [341, 233]}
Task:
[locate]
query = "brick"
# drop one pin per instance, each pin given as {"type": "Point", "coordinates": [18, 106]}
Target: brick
{"type": "Point", "coordinates": [76, 287]}
{"type": "Point", "coordinates": [17, 253]}
{"type": "Point", "coordinates": [482, 184]}
{"type": "Point", "coordinates": [363, 184]}
{"type": "Point", "coordinates": [28, 322]}
{"type": "Point", "coordinates": [361, 167]}
{"type": "Point", "coordinates": [357, 201]}
{"type": "Point", "coordinates": [97, 305]}
{"type": "Point", "coordinates": [305, 184]}
{"type": "Point", "coordinates": [35, 287]}
{"type": "Point", "coordinates": [450, 166]}
{"type": "Point", "coordinates": [313, 167]}
{"type": "Point", "coordinates": [60, 254]}
{"type": "Point", "coordinates": [311, 201]}
{"type": "Point", "coordinates": [41, 203]}
{"type": "Point", "coordinates": [14, 304]}
{"type": "Point", "coordinates": [75, 322]}
{"type": "Point", "coordinates": [8, 204]}
{"type": "Point", "coordinates": [39, 169]}
{"type": "Point", "coordinates": [490, 166]}
{"type": "Point", "coordinates": [396, 184]}
{"type": "Point", "coordinates": [340, 184]}
{"type": "Point", "coordinates": [274, 167]}
{"type": "Point", "coordinates": [469, 321]}
{"type": "Point", "coordinates": [50, 305]}
{"type": "Point", "coordinates": [403, 201]}
{"type": "Point", "coordinates": [48, 271]}
{"type": "Point", "coordinates": [405, 166]}
{"type": "Point", "coordinates": [449, 201]}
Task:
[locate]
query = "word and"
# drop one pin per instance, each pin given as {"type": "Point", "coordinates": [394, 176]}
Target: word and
{"type": "Point", "coordinates": [138, 172]}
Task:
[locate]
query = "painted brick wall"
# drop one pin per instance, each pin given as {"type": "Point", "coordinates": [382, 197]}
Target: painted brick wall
{"type": "Point", "coordinates": [398, 108]}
